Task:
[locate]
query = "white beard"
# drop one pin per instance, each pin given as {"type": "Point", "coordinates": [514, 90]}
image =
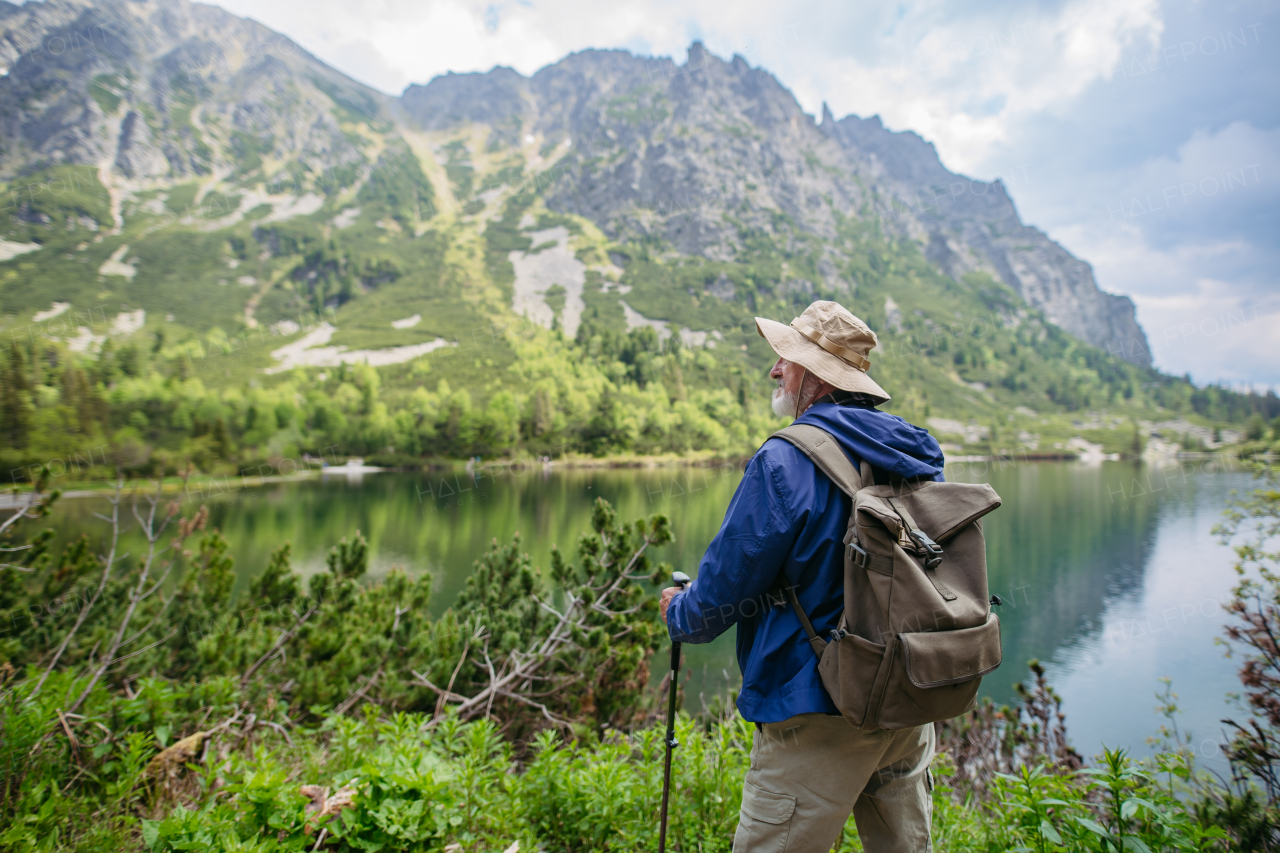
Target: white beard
{"type": "Point", "coordinates": [784, 405]}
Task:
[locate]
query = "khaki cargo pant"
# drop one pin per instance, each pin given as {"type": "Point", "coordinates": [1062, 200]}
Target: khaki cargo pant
{"type": "Point", "coordinates": [809, 772]}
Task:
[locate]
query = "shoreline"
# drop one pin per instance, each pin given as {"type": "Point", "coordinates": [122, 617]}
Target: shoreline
{"type": "Point", "coordinates": [210, 485]}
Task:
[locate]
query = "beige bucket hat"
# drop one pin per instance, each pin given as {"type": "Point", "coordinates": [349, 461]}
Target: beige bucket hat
{"type": "Point", "coordinates": [830, 342]}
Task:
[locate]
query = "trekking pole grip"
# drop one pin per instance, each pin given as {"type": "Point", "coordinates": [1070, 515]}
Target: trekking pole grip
{"type": "Point", "coordinates": [681, 580]}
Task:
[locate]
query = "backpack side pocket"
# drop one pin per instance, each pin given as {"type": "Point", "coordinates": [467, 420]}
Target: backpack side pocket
{"type": "Point", "coordinates": [848, 669]}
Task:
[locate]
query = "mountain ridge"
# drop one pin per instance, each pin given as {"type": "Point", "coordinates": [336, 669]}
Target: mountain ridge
{"type": "Point", "coordinates": [1107, 320]}
{"type": "Point", "coordinates": [977, 228]}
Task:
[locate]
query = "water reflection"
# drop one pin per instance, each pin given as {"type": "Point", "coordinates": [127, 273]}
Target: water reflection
{"type": "Point", "coordinates": [1097, 565]}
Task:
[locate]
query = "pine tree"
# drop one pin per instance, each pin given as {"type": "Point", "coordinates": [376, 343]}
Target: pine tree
{"type": "Point", "coordinates": [544, 409]}
{"type": "Point", "coordinates": [80, 395]}
{"type": "Point", "coordinates": [278, 584]}
{"type": "Point", "coordinates": [221, 441]}
{"type": "Point", "coordinates": [15, 402]}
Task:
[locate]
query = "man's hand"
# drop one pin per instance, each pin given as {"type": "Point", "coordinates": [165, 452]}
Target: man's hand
{"type": "Point", "coordinates": [668, 594]}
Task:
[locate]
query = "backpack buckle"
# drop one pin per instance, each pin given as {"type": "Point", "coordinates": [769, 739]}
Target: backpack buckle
{"type": "Point", "coordinates": [930, 551]}
{"type": "Point", "coordinates": [858, 555]}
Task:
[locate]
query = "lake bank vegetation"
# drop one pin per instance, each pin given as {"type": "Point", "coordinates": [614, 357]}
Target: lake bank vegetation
{"type": "Point", "coordinates": [146, 406]}
{"type": "Point", "coordinates": [146, 706]}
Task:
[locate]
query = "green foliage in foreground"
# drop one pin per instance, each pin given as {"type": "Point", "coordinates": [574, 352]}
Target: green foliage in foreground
{"type": "Point", "coordinates": [410, 785]}
{"type": "Point", "coordinates": [239, 738]}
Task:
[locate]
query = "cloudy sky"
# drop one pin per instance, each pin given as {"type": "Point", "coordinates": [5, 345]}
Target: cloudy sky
{"type": "Point", "coordinates": [1144, 135]}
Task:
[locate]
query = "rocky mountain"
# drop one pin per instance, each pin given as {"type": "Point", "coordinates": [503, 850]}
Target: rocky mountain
{"type": "Point", "coordinates": [181, 109]}
{"type": "Point", "coordinates": [219, 249]}
{"type": "Point", "coordinates": [156, 93]}
{"type": "Point", "coordinates": [703, 156]}
{"type": "Point", "coordinates": [973, 225]}
{"type": "Point", "coordinates": [708, 155]}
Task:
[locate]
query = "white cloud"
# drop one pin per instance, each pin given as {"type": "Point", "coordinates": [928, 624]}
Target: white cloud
{"type": "Point", "coordinates": [420, 40]}
{"type": "Point", "coordinates": [962, 84]}
{"type": "Point", "coordinates": [959, 81]}
{"type": "Point", "coordinates": [1196, 323]}
{"type": "Point", "coordinates": [1233, 168]}
{"type": "Point", "coordinates": [1213, 334]}
{"type": "Point", "coordinates": [1189, 236]}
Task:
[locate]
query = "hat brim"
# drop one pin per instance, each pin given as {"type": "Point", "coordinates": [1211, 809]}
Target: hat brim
{"type": "Point", "coordinates": [793, 346]}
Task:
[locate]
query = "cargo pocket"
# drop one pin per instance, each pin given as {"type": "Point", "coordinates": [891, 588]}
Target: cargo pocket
{"type": "Point", "coordinates": [848, 670]}
{"type": "Point", "coordinates": [765, 822]}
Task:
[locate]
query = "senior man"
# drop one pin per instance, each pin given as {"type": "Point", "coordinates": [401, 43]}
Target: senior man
{"type": "Point", "coordinates": [809, 766]}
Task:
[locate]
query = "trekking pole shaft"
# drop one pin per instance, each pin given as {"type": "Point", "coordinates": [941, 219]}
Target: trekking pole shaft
{"type": "Point", "coordinates": [671, 745]}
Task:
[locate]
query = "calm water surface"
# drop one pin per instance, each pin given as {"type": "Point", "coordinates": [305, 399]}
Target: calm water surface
{"type": "Point", "coordinates": [1109, 573]}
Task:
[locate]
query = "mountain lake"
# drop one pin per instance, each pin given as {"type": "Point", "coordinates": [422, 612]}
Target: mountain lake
{"type": "Point", "coordinates": [1110, 573]}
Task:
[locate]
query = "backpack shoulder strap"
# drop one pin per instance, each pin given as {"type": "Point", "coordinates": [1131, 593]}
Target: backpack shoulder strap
{"type": "Point", "coordinates": [822, 447]}
{"type": "Point", "coordinates": [816, 643]}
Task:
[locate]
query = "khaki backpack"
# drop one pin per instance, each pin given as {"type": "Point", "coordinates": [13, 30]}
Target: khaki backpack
{"type": "Point", "coordinates": [917, 632]}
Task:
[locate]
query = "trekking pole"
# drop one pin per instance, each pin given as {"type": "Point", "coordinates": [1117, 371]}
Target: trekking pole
{"type": "Point", "coordinates": [680, 579]}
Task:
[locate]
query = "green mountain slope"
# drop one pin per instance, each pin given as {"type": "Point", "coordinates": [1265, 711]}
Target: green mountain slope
{"type": "Point", "coordinates": [219, 252]}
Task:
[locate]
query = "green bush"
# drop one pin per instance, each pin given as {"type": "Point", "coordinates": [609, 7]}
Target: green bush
{"type": "Point", "coordinates": [411, 784]}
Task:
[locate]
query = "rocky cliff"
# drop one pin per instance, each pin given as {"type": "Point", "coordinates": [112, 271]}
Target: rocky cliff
{"type": "Point", "coordinates": [166, 90]}
{"type": "Point", "coordinates": [973, 225]}
{"type": "Point", "coordinates": [704, 156]}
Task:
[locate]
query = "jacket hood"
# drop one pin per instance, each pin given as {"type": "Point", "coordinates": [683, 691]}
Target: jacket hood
{"type": "Point", "coordinates": [886, 441]}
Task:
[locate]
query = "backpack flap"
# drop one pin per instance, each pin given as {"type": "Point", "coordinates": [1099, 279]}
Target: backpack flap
{"type": "Point", "coordinates": [940, 658]}
{"type": "Point", "coordinates": [943, 509]}
{"type": "Point", "coordinates": [939, 574]}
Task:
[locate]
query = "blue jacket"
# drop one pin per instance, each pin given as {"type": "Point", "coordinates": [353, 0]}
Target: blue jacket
{"type": "Point", "coordinates": [786, 516]}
